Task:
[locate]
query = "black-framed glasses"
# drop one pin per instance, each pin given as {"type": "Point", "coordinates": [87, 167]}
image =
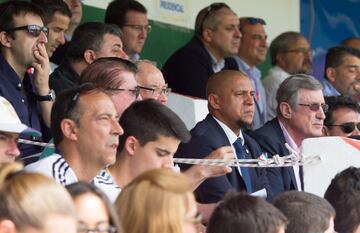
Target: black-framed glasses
{"type": "Point", "coordinates": [348, 127]}
{"type": "Point", "coordinates": [211, 8]}
{"type": "Point", "coordinates": [157, 91]}
{"type": "Point", "coordinates": [139, 27]}
{"type": "Point", "coordinates": [98, 229]}
{"type": "Point", "coordinates": [33, 30]}
{"type": "Point", "coordinates": [135, 92]}
{"type": "Point", "coordinates": [316, 106]}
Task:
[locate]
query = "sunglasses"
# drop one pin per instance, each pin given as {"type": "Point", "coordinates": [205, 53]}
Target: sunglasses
{"type": "Point", "coordinates": [213, 7]}
{"type": "Point", "coordinates": [315, 107]}
{"type": "Point", "coordinates": [33, 30]}
{"type": "Point", "coordinates": [348, 127]}
{"type": "Point", "coordinates": [251, 21]}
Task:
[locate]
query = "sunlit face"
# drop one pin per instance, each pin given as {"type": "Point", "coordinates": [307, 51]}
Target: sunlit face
{"type": "Point", "coordinates": [339, 117]}
{"type": "Point", "coordinates": [192, 219]}
{"type": "Point", "coordinates": [55, 224]}
{"type": "Point", "coordinates": [224, 39]}
{"type": "Point", "coordinates": [92, 212]}
{"type": "Point", "coordinates": [346, 77]}
{"type": "Point", "coordinates": [111, 47]}
{"type": "Point", "coordinates": [24, 45]}
{"type": "Point", "coordinates": [126, 95]}
{"type": "Point", "coordinates": [303, 122]}
{"type": "Point", "coordinates": [9, 150]}
{"type": "Point", "coordinates": [253, 44]}
{"type": "Point", "coordinates": [57, 27]}
{"type": "Point", "coordinates": [297, 59]}
{"type": "Point", "coordinates": [134, 32]}
{"type": "Point", "coordinates": [98, 129]}
{"type": "Point", "coordinates": [236, 104]}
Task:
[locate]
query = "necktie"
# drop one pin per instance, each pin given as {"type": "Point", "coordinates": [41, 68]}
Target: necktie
{"type": "Point", "coordinates": [240, 154]}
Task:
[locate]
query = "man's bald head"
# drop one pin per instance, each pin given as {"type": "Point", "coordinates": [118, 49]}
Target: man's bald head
{"type": "Point", "coordinates": [221, 81]}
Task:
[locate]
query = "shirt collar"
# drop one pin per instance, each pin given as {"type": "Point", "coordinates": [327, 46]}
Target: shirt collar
{"type": "Point", "coordinates": [289, 140]}
{"type": "Point", "coordinates": [216, 66]}
{"type": "Point", "coordinates": [232, 137]}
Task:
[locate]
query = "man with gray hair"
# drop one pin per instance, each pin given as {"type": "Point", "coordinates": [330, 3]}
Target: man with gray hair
{"type": "Point", "coordinates": [301, 113]}
{"type": "Point", "coordinates": [290, 53]}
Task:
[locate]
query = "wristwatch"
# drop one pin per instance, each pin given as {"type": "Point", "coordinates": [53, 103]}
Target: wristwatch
{"type": "Point", "coordinates": [49, 97]}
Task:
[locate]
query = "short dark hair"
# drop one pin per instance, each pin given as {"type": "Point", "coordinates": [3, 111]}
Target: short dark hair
{"type": "Point", "coordinates": [10, 9]}
{"type": "Point", "coordinates": [89, 36]}
{"type": "Point", "coordinates": [281, 43]}
{"type": "Point", "coordinates": [335, 55]}
{"type": "Point", "coordinates": [147, 120]}
{"type": "Point", "coordinates": [67, 106]}
{"type": "Point", "coordinates": [306, 212]}
{"type": "Point", "coordinates": [344, 194]}
{"type": "Point", "coordinates": [50, 7]}
{"type": "Point", "coordinates": [243, 213]}
{"type": "Point", "coordinates": [117, 10]}
{"type": "Point", "coordinates": [337, 102]}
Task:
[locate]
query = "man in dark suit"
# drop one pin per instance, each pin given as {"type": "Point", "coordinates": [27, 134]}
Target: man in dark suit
{"type": "Point", "coordinates": [231, 105]}
{"type": "Point", "coordinates": [301, 108]}
{"type": "Point", "coordinates": [217, 36]}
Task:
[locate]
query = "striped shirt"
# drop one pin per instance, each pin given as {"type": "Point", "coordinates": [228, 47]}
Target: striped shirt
{"type": "Point", "coordinates": [107, 184]}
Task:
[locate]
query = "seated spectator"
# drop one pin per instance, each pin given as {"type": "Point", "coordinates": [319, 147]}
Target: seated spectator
{"type": "Point", "coordinates": [342, 117]}
{"type": "Point", "coordinates": [90, 41]}
{"type": "Point", "coordinates": [151, 82]}
{"type": "Point", "coordinates": [169, 204]}
{"type": "Point", "coordinates": [241, 213]}
{"type": "Point", "coordinates": [94, 211]}
{"type": "Point", "coordinates": [86, 130]}
{"type": "Point", "coordinates": [344, 194]}
{"type": "Point", "coordinates": [217, 37]}
{"type": "Point", "coordinates": [352, 42]}
{"type": "Point", "coordinates": [10, 128]}
{"type": "Point", "coordinates": [32, 202]}
{"type": "Point", "coordinates": [306, 212]}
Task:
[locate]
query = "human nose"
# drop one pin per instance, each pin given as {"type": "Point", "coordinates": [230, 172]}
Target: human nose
{"type": "Point", "coordinates": [117, 129]}
{"type": "Point", "coordinates": [169, 162]}
{"type": "Point", "coordinates": [42, 38]}
{"type": "Point", "coordinates": [163, 98]}
{"type": "Point", "coordinates": [13, 149]}
{"type": "Point", "coordinates": [320, 114]}
{"type": "Point", "coordinates": [237, 33]}
{"type": "Point", "coordinates": [62, 38]}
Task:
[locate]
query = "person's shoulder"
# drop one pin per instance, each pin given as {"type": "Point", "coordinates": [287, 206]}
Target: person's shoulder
{"type": "Point", "coordinates": [44, 165]}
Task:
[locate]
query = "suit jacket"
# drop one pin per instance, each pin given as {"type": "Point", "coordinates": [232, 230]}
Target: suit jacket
{"type": "Point", "coordinates": [208, 136]}
{"type": "Point", "coordinates": [189, 68]}
{"type": "Point", "coordinates": [271, 139]}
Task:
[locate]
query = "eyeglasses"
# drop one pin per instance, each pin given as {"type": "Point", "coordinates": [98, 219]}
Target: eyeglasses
{"type": "Point", "coordinates": [213, 7]}
{"type": "Point", "coordinates": [299, 50]}
{"type": "Point", "coordinates": [315, 107]}
{"type": "Point", "coordinates": [98, 229]}
{"type": "Point", "coordinates": [138, 27]}
{"type": "Point", "coordinates": [157, 91]}
{"type": "Point", "coordinates": [348, 127]}
{"type": "Point", "coordinates": [33, 30]}
{"type": "Point", "coordinates": [135, 92]}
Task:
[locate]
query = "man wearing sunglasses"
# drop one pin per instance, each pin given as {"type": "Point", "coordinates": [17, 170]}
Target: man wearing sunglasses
{"type": "Point", "coordinates": [301, 113]}
{"type": "Point", "coordinates": [217, 37]}
{"type": "Point", "coordinates": [342, 118]}
{"type": "Point", "coordinates": [131, 17]}
{"type": "Point", "coordinates": [22, 40]}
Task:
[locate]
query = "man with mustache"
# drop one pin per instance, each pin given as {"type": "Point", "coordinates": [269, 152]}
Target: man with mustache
{"type": "Point", "coordinates": [342, 72]}
{"type": "Point", "coordinates": [84, 124]}
{"type": "Point", "coordinates": [230, 98]}
{"type": "Point", "coordinates": [251, 53]}
{"type": "Point", "coordinates": [301, 113]}
{"type": "Point", "coordinates": [290, 53]}
{"type": "Point", "coordinates": [217, 37]}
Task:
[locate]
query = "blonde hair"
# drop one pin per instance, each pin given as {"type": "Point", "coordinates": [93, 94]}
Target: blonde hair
{"type": "Point", "coordinates": [27, 199]}
{"type": "Point", "coordinates": [155, 202]}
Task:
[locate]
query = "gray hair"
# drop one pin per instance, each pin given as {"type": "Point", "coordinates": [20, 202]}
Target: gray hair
{"type": "Point", "coordinates": [289, 89]}
{"type": "Point", "coordinates": [281, 44]}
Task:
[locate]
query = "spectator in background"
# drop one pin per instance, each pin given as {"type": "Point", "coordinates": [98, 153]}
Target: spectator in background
{"type": "Point", "coordinates": [57, 18]}
{"type": "Point", "coordinates": [342, 117]}
{"type": "Point", "coordinates": [306, 212]}
{"type": "Point", "coordinates": [290, 54]}
{"type": "Point", "coordinates": [22, 45]}
{"type": "Point", "coordinates": [343, 194]}
{"type": "Point", "coordinates": [241, 213]}
{"type": "Point", "coordinates": [251, 53]}
{"type": "Point", "coordinates": [90, 41]}
{"type": "Point", "coordinates": [342, 72]}
{"type": "Point", "coordinates": [352, 42]}
{"type": "Point", "coordinates": [151, 82]}
{"type": "Point", "coordinates": [217, 37]}
{"type": "Point", "coordinates": [131, 17]}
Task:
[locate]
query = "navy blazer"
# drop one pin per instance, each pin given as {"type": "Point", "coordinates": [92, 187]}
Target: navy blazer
{"type": "Point", "coordinates": [189, 68]}
{"type": "Point", "coordinates": [208, 136]}
{"type": "Point", "coordinates": [271, 139]}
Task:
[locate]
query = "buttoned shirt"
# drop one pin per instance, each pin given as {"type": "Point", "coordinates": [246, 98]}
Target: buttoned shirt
{"type": "Point", "coordinates": [328, 89]}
